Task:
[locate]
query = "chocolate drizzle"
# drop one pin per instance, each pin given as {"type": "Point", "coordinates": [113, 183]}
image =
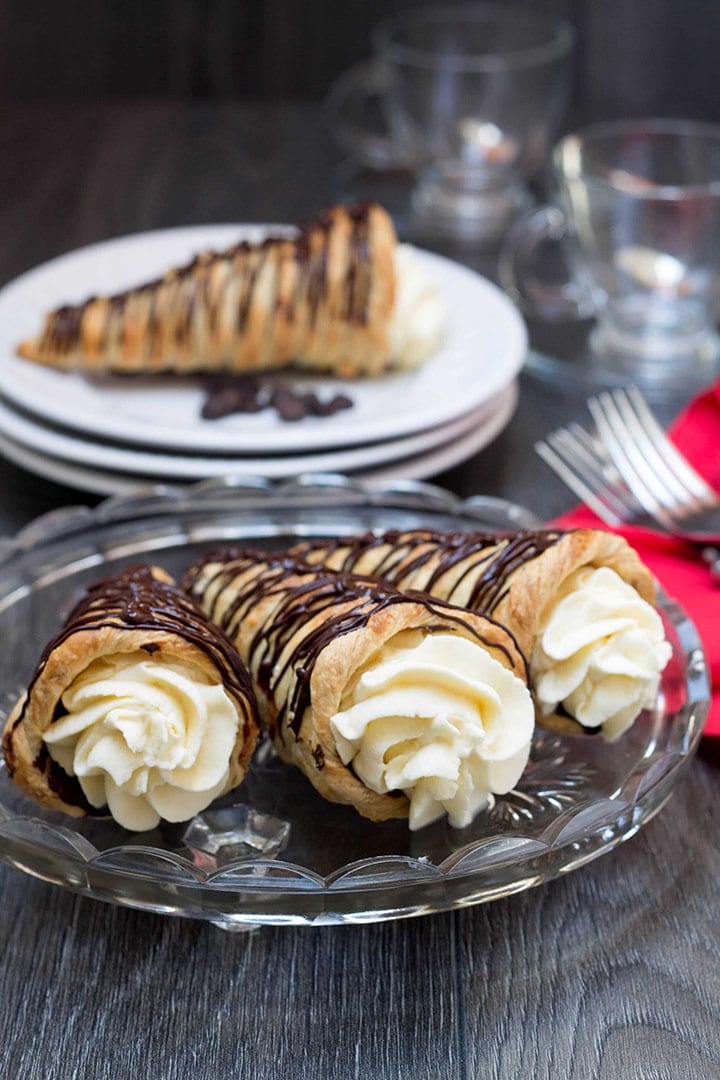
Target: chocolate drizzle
{"type": "Point", "coordinates": [62, 329]}
{"type": "Point", "coordinates": [421, 558]}
{"type": "Point", "coordinates": [358, 280]}
{"type": "Point", "coordinates": [334, 604]}
{"type": "Point", "coordinates": [319, 755]}
{"type": "Point", "coordinates": [136, 600]}
{"type": "Point", "coordinates": [313, 246]}
{"type": "Point", "coordinates": [251, 266]}
{"type": "Point", "coordinates": [191, 299]}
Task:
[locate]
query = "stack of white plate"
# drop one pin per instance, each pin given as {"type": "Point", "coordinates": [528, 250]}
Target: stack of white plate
{"type": "Point", "coordinates": [108, 434]}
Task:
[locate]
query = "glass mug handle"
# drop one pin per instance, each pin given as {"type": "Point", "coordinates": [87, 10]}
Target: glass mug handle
{"type": "Point", "coordinates": [346, 110]}
{"type": "Point", "coordinates": [574, 298]}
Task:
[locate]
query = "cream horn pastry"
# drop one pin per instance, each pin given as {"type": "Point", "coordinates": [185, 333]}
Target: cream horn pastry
{"type": "Point", "coordinates": [341, 296]}
{"type": "Point", "coordinates": [398, 704]}
{"type": "Point", "coordinates": [580, 604]}
{"type": "Point", "coordinates": [138, 705]}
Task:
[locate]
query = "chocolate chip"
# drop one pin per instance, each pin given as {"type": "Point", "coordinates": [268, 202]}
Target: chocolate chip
{"type": "Point", "coordinates": [289, 405]}
{"type": "Point", "coordinates": [335, 404]}
{"type": "Point", "coordinates": [228, 394]}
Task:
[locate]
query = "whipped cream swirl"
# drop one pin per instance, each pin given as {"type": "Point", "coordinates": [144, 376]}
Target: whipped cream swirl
{"type": "Point", "coordinates": [439, 718]}
{"type": "Point", "coordinates": [418, 316]}
{"type": "Point", "coordinates": [599, 651]}
{"type": "Point", "coordinates": [148, 737]}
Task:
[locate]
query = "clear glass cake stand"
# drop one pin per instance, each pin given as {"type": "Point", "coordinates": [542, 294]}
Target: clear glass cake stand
{"type": "Point", "coordinates": [273, 851]}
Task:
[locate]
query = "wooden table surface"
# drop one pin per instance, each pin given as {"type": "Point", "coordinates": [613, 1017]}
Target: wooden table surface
{"type": "Point", "coordinates": [612, 972]}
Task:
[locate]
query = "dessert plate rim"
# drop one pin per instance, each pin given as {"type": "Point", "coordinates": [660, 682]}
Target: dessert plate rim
{"type": "Point", "coordinates": [78, 448]}
{"type": "Point", "coordinates": [424, 463]}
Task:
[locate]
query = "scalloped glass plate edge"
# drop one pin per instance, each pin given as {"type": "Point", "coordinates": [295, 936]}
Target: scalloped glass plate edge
{"type": "Point", "coordinates": [269, 891]}
{"type": "Point", "coordinates": [245, 904]}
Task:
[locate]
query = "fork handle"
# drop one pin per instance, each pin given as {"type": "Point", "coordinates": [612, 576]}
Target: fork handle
{"type": "Point", "coordinates": [520, 270]}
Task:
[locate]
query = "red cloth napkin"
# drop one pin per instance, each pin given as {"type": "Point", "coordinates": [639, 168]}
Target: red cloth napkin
{"type": "Point", "coordinates": [678, 566]}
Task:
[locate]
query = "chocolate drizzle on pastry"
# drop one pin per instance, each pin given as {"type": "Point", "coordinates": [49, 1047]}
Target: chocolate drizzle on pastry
{"type": "Point", "coordinates": [306, 593]}
{"type": "Point", "coordinates": [137, 600]}
{"type": "Point", "coordinates": [63, 329]}
{"type": "Point", "coordinates": [253, 306]}
{"type": "Point", "coordinates": [493, 557]}
{"type": "Point", "coordinates": [358, 282]}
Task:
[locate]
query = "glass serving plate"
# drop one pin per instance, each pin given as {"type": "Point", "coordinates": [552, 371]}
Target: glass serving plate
{"type": "Point", "coordinates": [273, 851]}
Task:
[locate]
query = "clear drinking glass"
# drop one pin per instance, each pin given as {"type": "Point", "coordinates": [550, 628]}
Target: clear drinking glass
{"type": "Point", "coordinates": [469, 97]}
{"type": "Point", "coordinates": [639, 219]}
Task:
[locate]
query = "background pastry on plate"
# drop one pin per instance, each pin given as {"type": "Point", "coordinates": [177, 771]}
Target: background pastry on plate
{"type": "Point", "coordinates": [341, 296]}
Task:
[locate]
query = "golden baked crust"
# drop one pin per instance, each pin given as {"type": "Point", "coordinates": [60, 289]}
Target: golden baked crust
{"type": "Point", "coordinates": [25, 753]}
{"type": "Point", "coordinates": [512, 578]}
{"type": "Point", "coordinates": [305, 635]}
{"type": "Point", "coordinates": [322, 300]}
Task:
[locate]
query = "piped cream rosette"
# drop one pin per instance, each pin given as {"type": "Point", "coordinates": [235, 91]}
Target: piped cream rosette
{"type": "Point", "coordinates": [398, 704]}
{"type": "Point", "coordinates": [139, 705]}
{"type": "Point", "coordinates": [580, 604]}
{"type": "Point", "coordinates": [418, 315]}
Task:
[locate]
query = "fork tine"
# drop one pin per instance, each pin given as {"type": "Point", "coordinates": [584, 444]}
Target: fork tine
{"type": "Point", "coordinates": [670, 455]}
{"type": "Point", "coordinates": [600, 471]}
{"type": "Point", "coordinates": [592, 449]}
{"type": "Point", "coordinates": [586, 494]}
{"type": "Point", "coordinates": [613, 434]}
{"type": "Point", "coordinates": [575, 453]}
{"type": "Point", "coordinates": [659, 476]}
{"type": "Point", "coordinates": [590, 474]}
{"type": "Point", "coordinates": [586, 439]}
{"type": "Point", "coordinates": [594, 472]}
{"type": "Point", "coordinates": [628, 472]}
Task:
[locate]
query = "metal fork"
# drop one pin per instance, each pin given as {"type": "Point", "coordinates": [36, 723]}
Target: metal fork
{"type": "Point", "coordinates": [629, 471]}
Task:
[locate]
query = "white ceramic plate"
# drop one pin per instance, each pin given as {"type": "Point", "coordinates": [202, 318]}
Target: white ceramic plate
{"type": "Point", "coordinates": [55, 442]}
{"type": "Point", "coordinates": [416, 467]}
{"type": "Point", "coordinates": [484, 348]}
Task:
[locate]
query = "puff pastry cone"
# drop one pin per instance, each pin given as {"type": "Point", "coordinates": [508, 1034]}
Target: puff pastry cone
{"type": "Point", "coordinates": [138, 705]}
{"type": "Point", "coordinates": [580, 604]}
{"type": "Point", "coordinates": [395, 703]}
{"type": "Point", "coordinates": [330, 298]}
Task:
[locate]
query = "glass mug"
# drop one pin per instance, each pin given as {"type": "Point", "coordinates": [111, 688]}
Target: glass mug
{"type": "Point", "coordinates": [469, 98]}
{"type": "Point", "coordinates": [639, 222]}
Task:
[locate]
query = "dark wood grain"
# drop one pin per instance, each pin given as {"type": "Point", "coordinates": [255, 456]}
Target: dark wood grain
{"type": "Point", "coordinates": [612, 972]}
{"type": "Point", "coordinates": [656, 58]}
{"type": "Point", "coordinates": [609, 973]}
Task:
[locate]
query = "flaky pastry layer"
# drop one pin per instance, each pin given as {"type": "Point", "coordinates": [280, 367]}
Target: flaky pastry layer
{"type": "Point", "coordinates": [305, 635]}
{"type": "Point", "coordinates": [322, 300]}
{"type": "Point", "coordinates": [140, 610]}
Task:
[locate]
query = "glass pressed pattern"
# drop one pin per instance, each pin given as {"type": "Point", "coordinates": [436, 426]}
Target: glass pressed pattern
{"type": "Point", "coordinates": [274, 851]}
